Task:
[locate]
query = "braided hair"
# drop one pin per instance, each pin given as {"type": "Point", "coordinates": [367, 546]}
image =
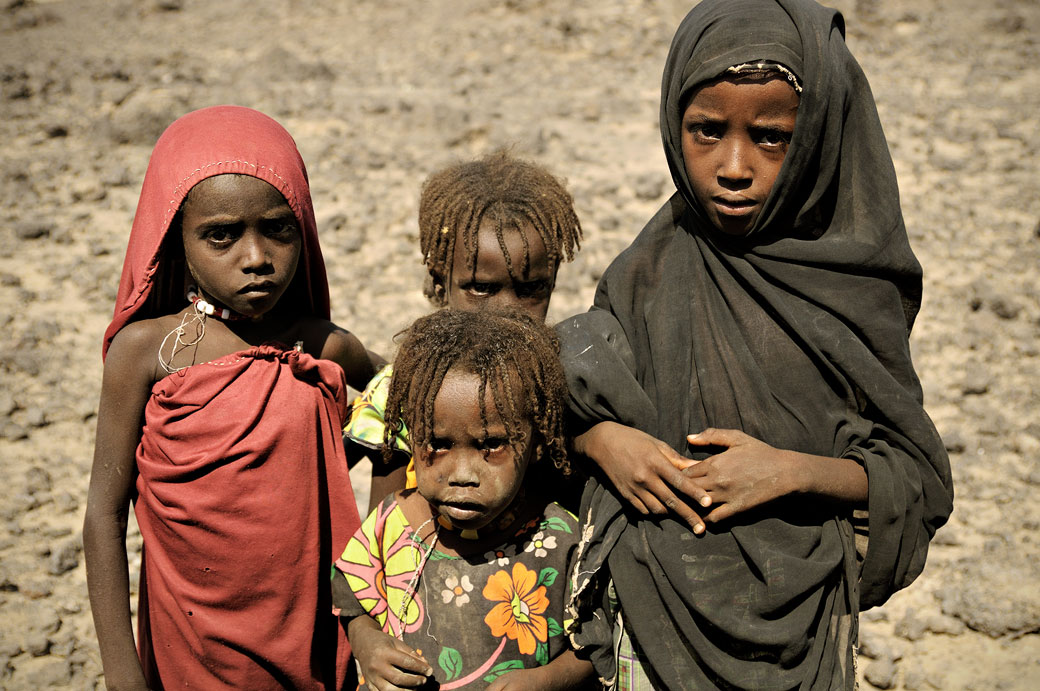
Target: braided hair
{"type": "Point", "coordinates": [516, 358]}
{"type": "Point", "coordinates": [506, 191]}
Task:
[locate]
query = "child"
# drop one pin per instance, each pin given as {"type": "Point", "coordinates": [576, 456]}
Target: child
{"type": "Point", "coordinates": [226, 440]}
{"type": "Point", "coordinates": [493, 233]}
{"type": "Point", "coordinates": [745, 376]}
{"type": "Point", "coordinates": [468, 571]}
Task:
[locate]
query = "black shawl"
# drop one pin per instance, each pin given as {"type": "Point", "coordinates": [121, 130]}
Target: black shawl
{"type": "Point", "coordinates": [796, 334]}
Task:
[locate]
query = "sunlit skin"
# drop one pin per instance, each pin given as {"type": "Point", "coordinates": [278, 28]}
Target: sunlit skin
{"type": "Point", "coordinates": [241, 242]}
{"type": "Point", "coordinates": [490, 285]}
{"type": "Point", "coordinates": [735, 135]}
{"type": "Point", "coordinates": [469, 472]}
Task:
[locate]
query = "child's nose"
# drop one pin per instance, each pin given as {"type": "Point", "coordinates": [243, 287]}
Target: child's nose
{"type": "Point", "coordinates": [254, 251]}
{"type": "Point", "coordinates": [733, 161]}
{"type": "Point", "coordinates": [466, 470]}
{"type": "Point", "coordinates": [504, 300]}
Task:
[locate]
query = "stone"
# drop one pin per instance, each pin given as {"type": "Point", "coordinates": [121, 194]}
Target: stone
{"type": "Point", "coordinates": [911, 627]}
{"type": "Point", "coordinates": [64, 559]}
{"type": "Point", "coordinates": [35, 417]}
{"type": "Point", "coordinates": [881, 673]}
{"type": "Point", "coordinates": [37, 481]}
{"type": "Point", "coordinates": [54, 672]}
{"type": "Point", "coordinates": [33, 230]}
{"type": "Point", "coordinates": [37, 644]}
{"type": "Point", "coordinates": [649, 186]}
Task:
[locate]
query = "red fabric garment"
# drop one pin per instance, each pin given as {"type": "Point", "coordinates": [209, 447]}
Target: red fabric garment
{"type": "Point", "coordinates": [199, 145]}
{"type": "Point", "coordinates": [243, 491]}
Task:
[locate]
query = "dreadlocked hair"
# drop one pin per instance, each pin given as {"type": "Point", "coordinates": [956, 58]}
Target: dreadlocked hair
{"type": "Point", "coordinates": [507, 191]}
{"type": "Point", "coordinates": [517, 360]}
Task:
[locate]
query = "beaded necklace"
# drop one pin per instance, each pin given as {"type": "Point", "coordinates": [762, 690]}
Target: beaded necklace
{"type": "Point", "coordinates": [197, 318]}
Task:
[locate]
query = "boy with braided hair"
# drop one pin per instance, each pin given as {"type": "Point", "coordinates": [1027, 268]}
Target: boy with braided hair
{"type": "Point", "coordinates": [493, 232]}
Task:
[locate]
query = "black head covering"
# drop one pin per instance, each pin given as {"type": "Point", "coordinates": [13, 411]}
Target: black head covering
{"type": "Point", "coordinates": [796, 334]}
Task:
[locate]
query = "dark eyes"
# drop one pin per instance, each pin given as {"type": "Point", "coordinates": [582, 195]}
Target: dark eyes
{"type": "Point", "coordinates": [528, 289]}
{"type": "Point", "coordinates": [772, 137]}
{"type": "Point", "coordinates": [221, 236]}
{"type": "Point", "coordinates": [705, 131]}
{"type": "Point", "coordinates": [480, 289]}
{"type": "Point", "coordinates": [494, 444]}
{"type": "Point", "coordinates": [437, 445]}
{"type": "Point", "coordinates": [491, 444]}
{"type": "Point", "coordinates": [768, 137]}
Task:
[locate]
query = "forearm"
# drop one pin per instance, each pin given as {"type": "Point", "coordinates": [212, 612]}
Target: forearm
{"type": "Point", "coordinates": [108, 585]}
{"type": "Point", "coordinates": [567, 671]}
{"type": "Point", "coordinates": [842, 480]}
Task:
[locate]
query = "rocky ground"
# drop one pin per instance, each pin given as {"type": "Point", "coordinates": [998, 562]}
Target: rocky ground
{"type": "Point", "coordinates": [380, 94]}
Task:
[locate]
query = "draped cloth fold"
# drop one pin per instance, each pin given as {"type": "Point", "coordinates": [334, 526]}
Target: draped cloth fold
{"type": "Point", "coordinates": [796, 334]}
{"type": "Point", "coordinates": [234, 502]}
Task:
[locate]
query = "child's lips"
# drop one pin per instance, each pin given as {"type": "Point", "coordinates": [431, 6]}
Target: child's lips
{"type": "Point", "coordinates": [264, 288]}
{"type": "Point", "coordinates": [460, 512]}
{"type": "Point", "coordinates": [734, 206]}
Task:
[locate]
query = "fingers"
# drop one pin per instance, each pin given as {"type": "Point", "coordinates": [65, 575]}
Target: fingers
{"type": "Point", "coordinates": [399, 667]}
{"type": "Point", "coordinates": [684, 512]}
{"type": "Point", "coordinates": [713, 436]}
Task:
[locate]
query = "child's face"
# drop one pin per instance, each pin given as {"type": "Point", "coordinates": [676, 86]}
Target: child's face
{"type": "Point", "coordinates": [469, 473]}
{"type": "Point", "coordinates": [735, 135]}
{"type": "Point", "coordinates": [241, 242]}
{"type": "Point", "coordinates": [491, 285]}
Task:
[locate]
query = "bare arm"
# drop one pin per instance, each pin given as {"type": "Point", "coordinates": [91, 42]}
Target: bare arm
{"type": "Point", "coordinates": [359, 363]}
{"type": "Point", "coordinates": [127, 382]}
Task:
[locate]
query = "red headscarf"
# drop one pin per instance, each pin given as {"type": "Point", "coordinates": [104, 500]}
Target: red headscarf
{"type": "Point", "coordinates": [199, 145]}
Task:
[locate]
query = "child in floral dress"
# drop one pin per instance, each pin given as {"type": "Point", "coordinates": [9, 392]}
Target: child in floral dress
{"type": "Point", "coordinates": [463, 578]}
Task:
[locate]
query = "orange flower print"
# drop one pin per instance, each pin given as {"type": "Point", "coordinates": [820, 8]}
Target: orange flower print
{"type": "Point", "coordinates": [520, 606]}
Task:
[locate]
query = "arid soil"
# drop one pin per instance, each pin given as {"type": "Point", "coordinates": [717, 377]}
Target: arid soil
{"type": "Point", "coordinates": [378, 95]}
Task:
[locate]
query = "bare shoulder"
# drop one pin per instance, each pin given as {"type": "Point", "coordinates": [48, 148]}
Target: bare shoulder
{"type": "Point", "coordinates": [324, 339]}
{"type": "Point", "coordinates": [134, 350]}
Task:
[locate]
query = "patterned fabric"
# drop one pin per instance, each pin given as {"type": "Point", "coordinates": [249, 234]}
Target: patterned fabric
{"type": "Point", "coordinates": [634, 672]}
{"type": "Point", "coordinates": [473, 618]}
{"type": "Point", "coordinates": [368, 420]}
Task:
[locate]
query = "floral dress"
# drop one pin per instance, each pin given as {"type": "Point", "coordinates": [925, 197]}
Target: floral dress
{"type": "Point", "coordinates": [473, 618]}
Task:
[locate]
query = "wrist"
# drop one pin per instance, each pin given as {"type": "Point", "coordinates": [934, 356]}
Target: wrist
{"type": "Point", "coordinates": [584, 443]}
{"type": "Point", "coordinates": [800, 473]}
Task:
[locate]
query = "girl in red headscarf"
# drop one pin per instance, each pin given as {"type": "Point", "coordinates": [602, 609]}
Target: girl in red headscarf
{"type": "Point", "coordinates": [223, 398]}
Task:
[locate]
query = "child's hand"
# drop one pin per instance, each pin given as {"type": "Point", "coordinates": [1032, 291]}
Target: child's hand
{"type": "Point", "coordinates": [386, 663]}
{"type": "Point", "coordinates": [644, 470]}
{"type": "Point", "coordinates": [748, 473]}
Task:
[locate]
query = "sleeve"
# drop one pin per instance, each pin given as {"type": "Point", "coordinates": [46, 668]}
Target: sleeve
{"type": "Point", "coordinates": [367, 422]}
{"type": "Point", "coordinates": [600, 369]}
{"type": "Point", "coordinates": [358, 569]}
{"type": "Point", "coordinates": [909, 497]}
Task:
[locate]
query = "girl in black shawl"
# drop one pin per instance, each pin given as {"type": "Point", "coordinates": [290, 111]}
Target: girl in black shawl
{"type": "Point", "coordinates": [772, 326]}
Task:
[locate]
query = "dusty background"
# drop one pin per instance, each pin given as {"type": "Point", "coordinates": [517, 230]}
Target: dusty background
{"type": "Point", "coordinates": [379, 94]}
